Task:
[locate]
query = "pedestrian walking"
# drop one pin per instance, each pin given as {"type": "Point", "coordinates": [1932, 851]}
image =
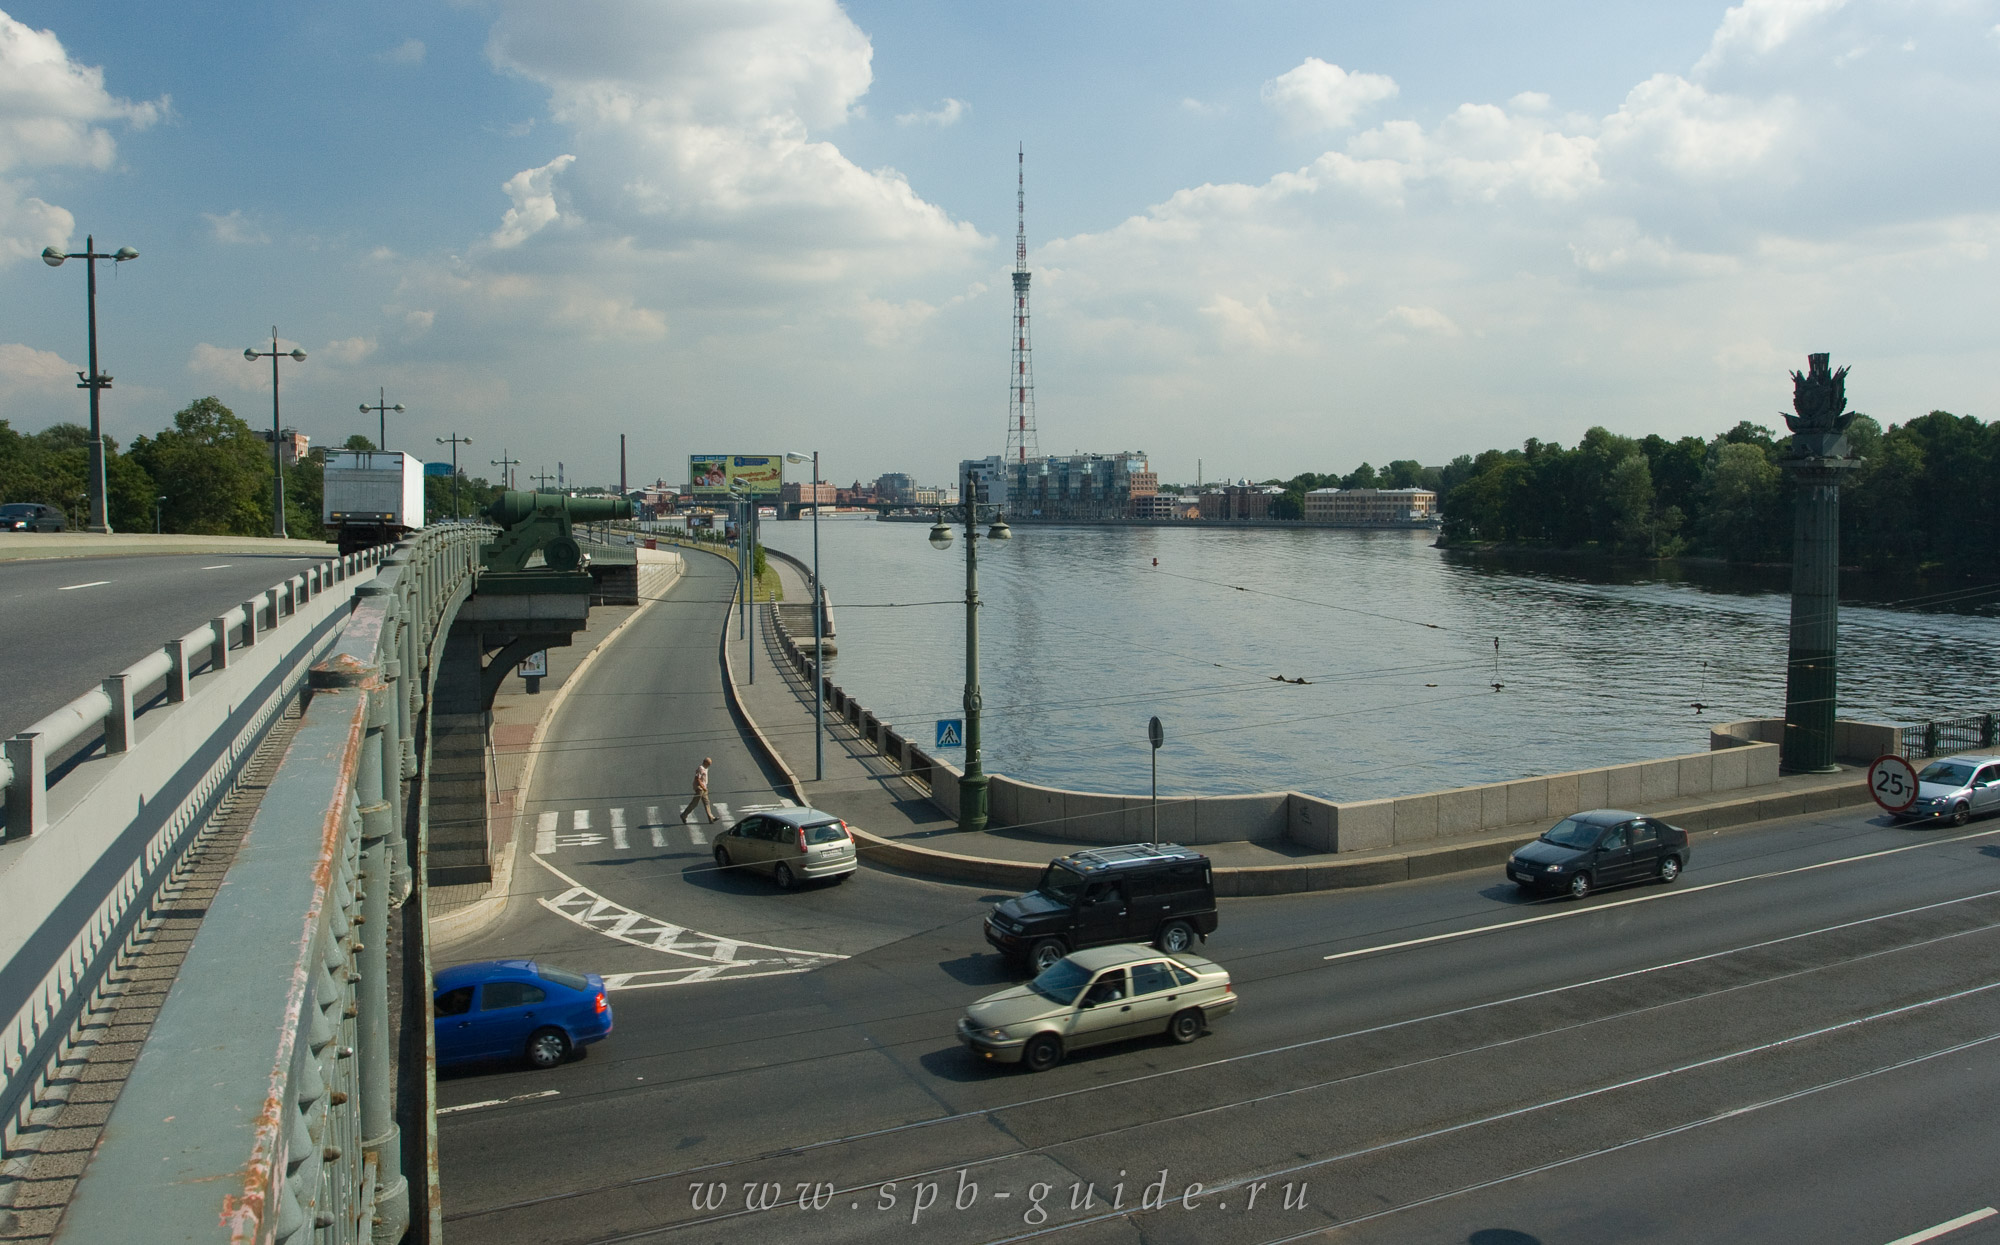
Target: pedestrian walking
{"type": "Point", "coordinates": [700, 791]}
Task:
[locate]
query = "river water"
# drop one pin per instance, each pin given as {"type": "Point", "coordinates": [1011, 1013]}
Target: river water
{"type": "Point", "coordinates": [1086, 632]}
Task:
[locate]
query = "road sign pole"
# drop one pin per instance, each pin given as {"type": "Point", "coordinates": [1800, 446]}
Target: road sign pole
{"type": "Point", "coordinates": [1156, 735]}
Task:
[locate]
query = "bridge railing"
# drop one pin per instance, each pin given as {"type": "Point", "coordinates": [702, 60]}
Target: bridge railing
{"type": "Point", "coordinates": [1944, 736]}
{"type": "Point", "coordinates": [104, 795]}
{"type": "Point", "coordinates": [281, 1011]}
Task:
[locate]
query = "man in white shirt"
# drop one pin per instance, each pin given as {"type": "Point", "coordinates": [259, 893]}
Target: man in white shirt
{"type": "Point", "coordinates": [701, 791]}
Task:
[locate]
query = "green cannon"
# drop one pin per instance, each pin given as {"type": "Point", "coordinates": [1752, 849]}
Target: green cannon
{"type": "Point", "coordinates": [541, 522]}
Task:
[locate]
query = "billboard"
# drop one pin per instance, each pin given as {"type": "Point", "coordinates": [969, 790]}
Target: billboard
{"type": "Point", "coordinates": [759, 475]}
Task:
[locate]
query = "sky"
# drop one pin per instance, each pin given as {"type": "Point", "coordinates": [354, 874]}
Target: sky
{"type": "Point", "coordinates": [1266, 237]}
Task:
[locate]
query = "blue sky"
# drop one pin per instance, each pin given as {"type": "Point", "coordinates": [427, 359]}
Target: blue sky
{"type": "Point", "coordinates": [1267, 236]}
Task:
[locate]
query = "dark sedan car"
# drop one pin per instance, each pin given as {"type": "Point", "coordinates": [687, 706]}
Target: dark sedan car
{"type": "Point", "coordinates": [1603, 847]}
{"type": "Point", "coordinates": [516, 1009]}
{"type": "Point", "coordinates": [28, 516]}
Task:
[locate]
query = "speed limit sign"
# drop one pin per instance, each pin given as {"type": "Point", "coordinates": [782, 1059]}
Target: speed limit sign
{"type": "Point", "coordinates": [1893, 783]}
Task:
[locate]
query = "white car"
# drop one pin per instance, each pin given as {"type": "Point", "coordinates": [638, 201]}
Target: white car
{"type": "Point", "coordinates": [1957, 789]}
{"type": "Point", "coordinates": [791, 845]}
{"type": "Point", "coordinates": [1102, 994]}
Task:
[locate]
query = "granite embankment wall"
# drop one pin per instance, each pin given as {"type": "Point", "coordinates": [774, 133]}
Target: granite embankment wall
{"type": "Point", "coordinates": [1742, 754]}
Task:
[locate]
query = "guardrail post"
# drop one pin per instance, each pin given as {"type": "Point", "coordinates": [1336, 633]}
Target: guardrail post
{"type": "Point", "coordinates": [271, 597]}
{"type": "Point", "coordinates": [118, 722]}
{"type": "Point", "coordinates": [177, 671]}
{"type": "Point", "coordinates": [218, 649]}
{"type": "Point", "coordinates": [28, 794]}
{"type": "Point", "coordinates": [250, 623]}
{"type": "Point", "coordinates": [380, 1135]}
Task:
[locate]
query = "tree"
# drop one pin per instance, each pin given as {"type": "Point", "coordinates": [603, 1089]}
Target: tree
{"type": "Point", "coordinates": [1740, 514]}
{"type": "Point", "coordinates": [1629, 503]}
{"type": "Point", "coordinates": [214, 471]}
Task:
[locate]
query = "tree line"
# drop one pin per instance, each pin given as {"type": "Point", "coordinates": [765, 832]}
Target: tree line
{"type": "Point", "coordinates": [207, 474]}
{"type": "Point", "coordinates": [1922, 498]}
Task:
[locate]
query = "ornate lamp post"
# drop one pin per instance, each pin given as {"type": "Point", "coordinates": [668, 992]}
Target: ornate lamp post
{"type": "Point", "coordinates": [972, 801]}
{"type": "Point", "coordinates": [92, 380]}
{"type": "Point", "coordinates": [1818, 453]}
{"type": "Point", "coordinates": [454, 440]}
{"type": "Point", "coordinates": [277, 455]}
{"type": "Point", "coordinates": [381, 409]}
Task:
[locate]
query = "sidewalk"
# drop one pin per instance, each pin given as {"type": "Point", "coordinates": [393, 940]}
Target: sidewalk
{"type": "Point", "coordinates": [519, 719]}
{"type": "Point", "coordinates": [898, 827]}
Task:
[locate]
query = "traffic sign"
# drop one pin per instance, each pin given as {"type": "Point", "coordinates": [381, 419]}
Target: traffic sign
{"type": "Point", "coordinates": [951, 732]}
{"type": "Point", "coordinates": [1156, 734]}
{"type": "Point", "coordinates": [1893, 782]}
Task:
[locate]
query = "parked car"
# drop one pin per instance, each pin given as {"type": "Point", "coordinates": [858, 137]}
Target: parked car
{"type": "Point", "coordinates": [792, 845]}
{"type": "Point", "coordinates": [1104, 994]}
{"type": "Point", "coordinates": [1957, 789]}
{"type": "Point", "coordinates": [30, 516]}
{"type": "Point", "coordinates": [1161, 893]}
{"type": "Point", "coordinates": [1604, 847]}
{"type": "Point", "coordinates": [516, 1009]}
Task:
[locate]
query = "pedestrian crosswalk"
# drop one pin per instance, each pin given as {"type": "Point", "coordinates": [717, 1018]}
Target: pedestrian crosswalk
{"type": "Point", "coordinates": [654, 833]}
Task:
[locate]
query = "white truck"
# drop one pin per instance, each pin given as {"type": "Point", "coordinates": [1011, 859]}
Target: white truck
{"type": "Point", "coordinates": [372, 497]}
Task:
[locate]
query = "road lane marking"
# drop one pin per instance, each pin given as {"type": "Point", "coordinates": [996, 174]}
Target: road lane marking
{"type": "Point", "coordinates": [499, 1102]}
{"type": "Point", "coordinates": [545, 833]}
{"type": "Point", "coordinates": [1677, 893]}
{"type": "Point", "coordinates": [1947, 1227]}
{"type": "Point", "coordinates": [653, 824]}
{"type": "Point", "coordinates": [697, 835]}
{"type": "Point", "coordinates": [713, 955]}
{"type": "Point", "coordinates": [95, 583]}
{"type": "Point", "coordinates": [618, 830]}
{"type": "Point", "coordinates": [219, 566]}
{"type": "Point", "coordinates": [581, 820]}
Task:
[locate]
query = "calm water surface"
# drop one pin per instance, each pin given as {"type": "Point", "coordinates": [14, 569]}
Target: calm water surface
{"type": "Point", "coordinates": [1082, 638]}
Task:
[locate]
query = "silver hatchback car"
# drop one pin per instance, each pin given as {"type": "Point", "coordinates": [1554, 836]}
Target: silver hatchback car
{"type": "Point", "coordinates": [792, 845]}
{"type": "Point", "coordinates": [1957, 789]}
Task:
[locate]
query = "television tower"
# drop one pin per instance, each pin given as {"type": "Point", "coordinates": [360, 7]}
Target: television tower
{"type": "Point", "coordinates": [1021, 442]}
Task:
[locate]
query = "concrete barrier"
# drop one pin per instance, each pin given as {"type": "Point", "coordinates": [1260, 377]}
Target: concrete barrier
{"type": "Point", "coordinates": [1856, 743]}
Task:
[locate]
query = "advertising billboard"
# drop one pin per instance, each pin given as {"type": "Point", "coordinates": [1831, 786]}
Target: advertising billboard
{"type": "Point", "coordinates": [758, 475]}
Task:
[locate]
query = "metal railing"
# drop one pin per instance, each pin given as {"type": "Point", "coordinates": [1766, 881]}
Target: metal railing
{"type": "Point", "coordinates": [146, 758]}
{"type": "Point", "coordinates": [298, 1133]}
{"type": "Point", "coordinates": [1948, 735]}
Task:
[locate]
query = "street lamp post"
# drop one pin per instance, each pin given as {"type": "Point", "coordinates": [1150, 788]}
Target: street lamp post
{"type": "Point", "coordinates": [819, 637]}
{"type": "Point", "coordinates": [972, 801]}
{"type": "Point", "coordinates": [277, 455]}
{"type": "Point", "coordinates": [92, 380]}
{"type": "Point", "coordinates": [506, 466]}
{"type": "Point", "coordinates": [381, 409]}
{"type": "Point", "coordinates": [454, 440]}
{"type": "Point", "coordinates": [159, 501]}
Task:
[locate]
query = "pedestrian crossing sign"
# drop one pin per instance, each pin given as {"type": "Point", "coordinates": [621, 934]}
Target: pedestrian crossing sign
{"type": "Point", "coordinates": [951, 732]}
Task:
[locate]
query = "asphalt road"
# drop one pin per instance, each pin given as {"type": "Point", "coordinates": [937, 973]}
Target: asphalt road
{"type": "Point", "coordinates": [1797, 1041]}
{"type": "Point", "coordinates": [69, 622]}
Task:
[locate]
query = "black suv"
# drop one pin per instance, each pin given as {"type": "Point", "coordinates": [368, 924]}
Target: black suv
{"type": "Point", "coordinates": [28, 516]}
{"type": "Point", "coordinates": [1160, 893]}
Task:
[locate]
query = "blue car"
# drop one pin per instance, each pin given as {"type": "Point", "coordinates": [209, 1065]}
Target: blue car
{"type": "Point", "coordinates": [514, 1009]}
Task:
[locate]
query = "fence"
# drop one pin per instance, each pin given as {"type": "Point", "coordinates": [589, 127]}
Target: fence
{"type": "Point", "coordinates": [1948, 735]}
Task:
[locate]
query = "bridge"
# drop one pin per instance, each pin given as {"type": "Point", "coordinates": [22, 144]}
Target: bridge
{"type": "Point", "coordinates": [321, 746]}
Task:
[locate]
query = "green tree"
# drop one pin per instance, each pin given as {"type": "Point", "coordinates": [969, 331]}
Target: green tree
{"type": "Point", "coordinates": [1741, 514]}
{"type": "Point", "coordinates": [214, 471]}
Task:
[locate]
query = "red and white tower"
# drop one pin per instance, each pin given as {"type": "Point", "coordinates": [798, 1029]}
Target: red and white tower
{"type": "Point", "coordinates": [1021, 442]}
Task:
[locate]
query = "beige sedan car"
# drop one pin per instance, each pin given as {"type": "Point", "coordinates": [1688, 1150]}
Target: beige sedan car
{"type": "Point", "coordinates": [1103, 994]}
{"type": "Point", "coordinates": [792, 845]}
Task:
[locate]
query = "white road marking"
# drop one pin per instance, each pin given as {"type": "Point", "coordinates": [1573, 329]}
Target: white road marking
{"type": "Point", "coordinates": [545, 833]}
{"type": "Point", "coordinates": [580, 820]}
{"type": "Point", "coordinates": [499, 1102]}
{"type": "Point", "coordinates": [578, 840]}
{"type": "Point", "coordinates": [659, 836]}
{"type": "Point", "coordinates": [95, 583]}
{"type": "Point", "coordinates": [697, 836]}
{"type": "Point", "coordinates": [1672, 894]}
{"type": "Point", "coordinates": [618, 830]}
{"type": "Point", "coordinates": [1948, 1226]}
{"type": "Point", "coordinates": [711, 955]}
{"type": "Point", "coordinates": [219, 566]}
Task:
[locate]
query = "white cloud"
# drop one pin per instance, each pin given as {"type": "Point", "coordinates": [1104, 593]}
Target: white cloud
{"type": "Point", "coordinates": [1479, 152]}
{"type": "Point", "coordinates": [1322, 96]}
{"type": "Point", "coordinates": [53, 113]}
{"type": "Point", "coordinates": [234, 229]}
{"type": "Point", "coordinates": [533, 193]}
{"type": "Point", "coordinates": [24, 369]}
{"type": "Point", "coordinates": [1697, 133]}
{"type": "Point", "coordinates": [1422, 320]}
{"type": "Point", "coordinates": [226, 368]}
{"type": "Point", "coordinates": [349, 349]}
{"type": "Point", "coordinates": [1758, 27]}
{"type": "Point", "coordinates": [408, 52]}
{"type": "Point", "coordinates": [944, 115]}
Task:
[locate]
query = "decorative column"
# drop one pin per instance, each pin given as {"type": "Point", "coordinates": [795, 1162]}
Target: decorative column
{"type": "Point", "coordinates": [1816, 457]}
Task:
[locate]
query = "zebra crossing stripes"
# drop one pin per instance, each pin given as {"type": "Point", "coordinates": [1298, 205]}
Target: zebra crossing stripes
{"type": "Point", "coordinates": [618, 840]}
{"type": "Point", "coordinates": [550, 837]}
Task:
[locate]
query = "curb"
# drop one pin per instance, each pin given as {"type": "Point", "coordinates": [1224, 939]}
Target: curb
{"type": "Point", "coordinates": [743, 718]}
{"type": "Point", "coordinates": [480, 913]}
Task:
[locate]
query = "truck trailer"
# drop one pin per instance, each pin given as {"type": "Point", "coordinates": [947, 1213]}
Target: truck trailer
{"type": "Point", "coordinates": [372, 497]}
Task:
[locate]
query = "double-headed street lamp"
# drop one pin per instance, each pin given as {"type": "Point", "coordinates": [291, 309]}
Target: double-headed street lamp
{"type": "Point", "coordinates": [277, 452]}
{"type": "Point", "coordinates": [454, 440]}
{"type": "Point", "coordinates": [972, 786]}
{"type": "Point", "coordinates": [381, 409]}
{"type": "Point", "coordinates": [819, 637]}
{"type": "Point", "coordinates": [92, 380]}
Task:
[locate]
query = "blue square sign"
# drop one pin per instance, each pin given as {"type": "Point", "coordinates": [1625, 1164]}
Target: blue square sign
{"type": "Point", "coordinates": [951, 732]}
